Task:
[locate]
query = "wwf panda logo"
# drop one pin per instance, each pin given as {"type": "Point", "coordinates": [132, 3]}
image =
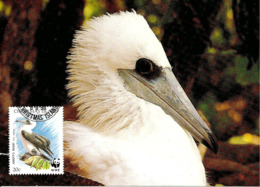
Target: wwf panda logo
{"type": "Point", "coordinates": [55, 163]}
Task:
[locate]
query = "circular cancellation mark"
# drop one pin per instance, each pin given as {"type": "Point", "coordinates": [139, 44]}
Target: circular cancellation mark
{"type": "Point", "coordinates": [39, 113]}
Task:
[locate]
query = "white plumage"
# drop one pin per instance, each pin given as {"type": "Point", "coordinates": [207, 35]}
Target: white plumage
{"type": "Point", "coordinates": [121, 138]}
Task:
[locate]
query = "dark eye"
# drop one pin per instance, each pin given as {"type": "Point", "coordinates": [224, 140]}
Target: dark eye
{"type": "Point", "coordinates": [147, 68]}
{"type": "Point", "coordinates": [144, 66]}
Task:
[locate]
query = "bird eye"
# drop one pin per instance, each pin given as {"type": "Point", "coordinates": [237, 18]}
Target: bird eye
{"type": "Point", "coordinates": [147, 68]}
{"type": "Point", "coordinates": [144, 66]}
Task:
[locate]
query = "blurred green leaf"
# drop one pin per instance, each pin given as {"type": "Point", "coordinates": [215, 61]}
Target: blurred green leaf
{"type": "Point", "coordinates": [240, 72]}
{"type": "Point", "coordinates": [211, 50]}
{"type": "Point", "coordinates": [152, 18]}
{"type": "Point", "coordinates": [5, 9]}
{"type": "Point", "coordinates": [207, 105]}
{"type": "Point", "coordinates": [44, 3]}
{"type": "Point", "coordinates": [228, 52]}
{"type": "Point", "coordinates": [217, 37]}
{"type": "Point", "coordinates": [246, 138]}
{"type": "Point", "coordinates": [139, 3]}
{"type": "Point", "coordinates": [1, 6]}
{"type": "Point", "coordinates": [93, 8]}
{"type": "Point", "coordinates": [220, 121]}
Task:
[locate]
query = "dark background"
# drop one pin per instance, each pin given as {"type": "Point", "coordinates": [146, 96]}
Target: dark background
{"type": "Point", "coordinates": [213, 46]}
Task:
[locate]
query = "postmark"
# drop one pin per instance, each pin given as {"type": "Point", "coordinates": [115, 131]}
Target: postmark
{"type": "Point", "coordinates": [36, 140]}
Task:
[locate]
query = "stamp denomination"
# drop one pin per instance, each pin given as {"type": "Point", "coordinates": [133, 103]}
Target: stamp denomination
{"type": "Point", "coordinates": [36, 140]}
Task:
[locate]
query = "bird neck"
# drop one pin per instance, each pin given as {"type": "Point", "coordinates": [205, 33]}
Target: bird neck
{"type": "Point", "coordinates": [26, 127]}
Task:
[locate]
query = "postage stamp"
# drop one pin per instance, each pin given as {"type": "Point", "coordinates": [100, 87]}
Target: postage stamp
{"type": "Point", "coordinates": [36, 140]}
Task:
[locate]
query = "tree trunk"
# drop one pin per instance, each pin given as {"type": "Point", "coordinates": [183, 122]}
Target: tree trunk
{"type": "Point", "coordinates": [18, 55]}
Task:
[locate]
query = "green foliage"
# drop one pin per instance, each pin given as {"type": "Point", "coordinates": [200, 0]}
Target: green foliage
{"type": "Point", "coordinates": [46, 165]}
{"type": "Point", "coordinates": [214, 51]}
{"type": "Point", "coordinates": [246, 138]}
{"type": "Point", "coordinates": [139, 3]}
{"type": "Point", "coordinates": [220, 121]}
{"type": "Point", "coordinates": [34, 162]}
{"type": "Point", "coordinates": [240, 72]}
{"type": "Point", "coordinates": [5, 9]}
{"type": "Point", "coordinates": [217, 37]}
{"type": "Point", "coordinates": [39, 164]}
{"type": "Point", "coordinates": [152, 19]}
{"type": "Point", "coordinates": [93, 8]}
{"type": "Point", "coordinates": [156, 13]}
{"type": "Point", "coordinates": [207, 105]}
{"type": "Point", "coordinates": [44, 3]}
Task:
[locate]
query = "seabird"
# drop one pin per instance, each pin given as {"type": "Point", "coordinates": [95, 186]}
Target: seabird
{"type": "Point", "coordinates": [135, 123]}
{"type": "Point", "coordinates": [32, 142]}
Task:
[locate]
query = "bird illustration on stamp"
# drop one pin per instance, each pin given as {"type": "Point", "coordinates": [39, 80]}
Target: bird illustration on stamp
{"type": "Point", "coordinates": [35, 140]}
{"type": "Point", "coordinates": [34, 144]}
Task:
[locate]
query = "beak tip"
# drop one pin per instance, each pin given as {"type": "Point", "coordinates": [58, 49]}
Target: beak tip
{"type": "Point", "coordinates": [213, 145]}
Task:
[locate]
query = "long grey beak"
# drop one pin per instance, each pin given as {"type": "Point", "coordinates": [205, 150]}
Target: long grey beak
{"type": "Point", "coordinates": [21, 121]}
{"type": "Point", "coordinates": [166, 92]}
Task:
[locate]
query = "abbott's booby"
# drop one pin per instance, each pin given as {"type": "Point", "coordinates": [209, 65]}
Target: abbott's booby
{"type": "Point", "coordinates": [135, 123]}
{"type": "Point", "coordinates": [32, 142]}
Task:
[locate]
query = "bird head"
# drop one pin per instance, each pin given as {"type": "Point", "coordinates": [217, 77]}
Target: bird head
{"type": "Point", "coordinates": [26, 122]}
{"type": "Point", "coordinates": [118, 63]}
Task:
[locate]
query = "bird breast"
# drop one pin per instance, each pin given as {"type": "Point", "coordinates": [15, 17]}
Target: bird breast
{"type": "Point", "coordinates": [26, 144]}
{"type": "Point", "coordinates": [158, 153]}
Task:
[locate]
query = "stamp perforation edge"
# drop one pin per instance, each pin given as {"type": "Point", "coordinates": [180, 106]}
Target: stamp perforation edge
{"type": "Point", "coordinates": [11, 136]}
